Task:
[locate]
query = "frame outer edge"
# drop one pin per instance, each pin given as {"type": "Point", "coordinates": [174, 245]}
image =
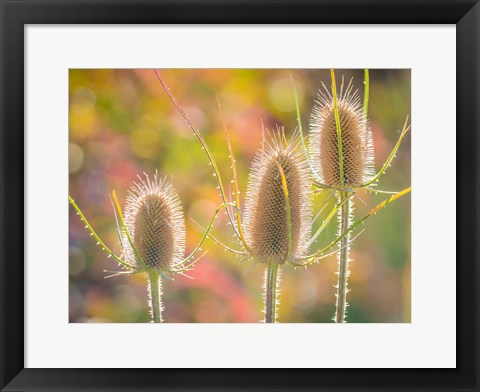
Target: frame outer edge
{"type": "Point", "coordinates": [12, 192]}
{"type": "Point", "coordinates": [468, 194]}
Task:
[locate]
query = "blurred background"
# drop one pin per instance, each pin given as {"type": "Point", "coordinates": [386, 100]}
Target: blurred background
{"type": "Point", "coordinates": [123, 124]}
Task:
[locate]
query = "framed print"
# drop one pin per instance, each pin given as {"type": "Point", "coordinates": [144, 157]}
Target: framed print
{"type": "Point", "coordinates": [194, 195]}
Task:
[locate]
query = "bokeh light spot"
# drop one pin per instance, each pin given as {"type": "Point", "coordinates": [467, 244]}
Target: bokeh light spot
{"type": "Point", "coordinates": [75, 158]}
{"type": "Point", "coordinates": [145, 142]}
{"type": "Point", "coordinates": [77, 261]}
{"type": "Point", "coordinates": [281, 94]}
{"type": "Point", "coordinates": [82, 100]}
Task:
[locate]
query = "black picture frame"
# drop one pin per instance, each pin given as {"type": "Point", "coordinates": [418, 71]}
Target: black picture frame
{"type": "Point", "coordinates": [15, 14]}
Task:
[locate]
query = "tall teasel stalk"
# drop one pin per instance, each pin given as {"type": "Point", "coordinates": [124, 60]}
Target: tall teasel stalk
{"type": "Point", "coordinates": [276, 227]}
{"type": "Point", "coordinates": [341, 147]}
{"type": "Point", "coordinates": [152, 235]}
{"type": "Point", "coordinates": [278, 211]}
{"type": "Point", "coordinates": [342, 159]}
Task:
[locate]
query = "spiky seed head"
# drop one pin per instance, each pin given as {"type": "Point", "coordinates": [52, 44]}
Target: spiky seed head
{"type": "Point", "coordinates": [155, 221]}
{"type": "Point", "coordinates": [266, 220]}
{"type": "Point", "coordinates": [357, 142]}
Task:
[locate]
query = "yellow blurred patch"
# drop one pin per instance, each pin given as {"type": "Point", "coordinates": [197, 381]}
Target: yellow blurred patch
{"type": "Point", "coordinates": [145, 142]}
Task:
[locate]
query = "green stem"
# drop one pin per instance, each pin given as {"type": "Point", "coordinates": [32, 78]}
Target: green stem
{"type": "Point", "coordinates": [344, 215]}
{"type": "Point", "coordinates": [366, 93]}
{"type": "Point", "coordinates": [155, 292]}
{"type": "Point", "coordinates": [339, 129]}
{"type": "Point", "coordinates": [272, 280]}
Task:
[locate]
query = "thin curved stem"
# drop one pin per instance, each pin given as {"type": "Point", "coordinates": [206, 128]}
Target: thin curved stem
{"type": "Point", "coordinates": [155, 294]}
{"type": "Point", "coordinates": [325, 255]}
{"type": "Point", "coordinates": [236, 190]}
{"type": "Point", "coordinates": [354, 225]}
{"type": "Point", "coordinates": [390, 157]}
{"type": "Point", "coordinates": [95, 235]}
{"type": "Point", "coordinates": [187, 267]}
{"type": "Point", "coordinates": [272, 280]}
{"type": "Point", "coordinates": [216, 240]}
{"type": "Point", "coordinates": [343, 258]}
{"type": "Point", "coordinates": [302, 137]}
{"type": "Point", "coordinates": [216, 171]}
{"type": "Point", "coordinates": [325, 222]}
{"type": "Point", "coordinates": [198, 247]}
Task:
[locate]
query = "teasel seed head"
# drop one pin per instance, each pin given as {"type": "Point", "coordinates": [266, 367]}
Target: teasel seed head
{"type": "Point", "coordinates": [155, 221]}
{"type": "Point", "coordinates": [266, 220]}
{"type": "Point", "coordinates": [357, 142]}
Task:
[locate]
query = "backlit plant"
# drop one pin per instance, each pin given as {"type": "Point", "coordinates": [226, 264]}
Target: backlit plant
{"type": "Point", "coordinates": [276, 225]}
{"type": "Point", "coordinates": [152, 236]}
{"type": "Point", "coordinates": [341, 158]}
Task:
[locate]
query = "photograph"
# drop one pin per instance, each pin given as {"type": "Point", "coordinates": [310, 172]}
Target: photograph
{"type": "Point", "coordinates": [239, 195]}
